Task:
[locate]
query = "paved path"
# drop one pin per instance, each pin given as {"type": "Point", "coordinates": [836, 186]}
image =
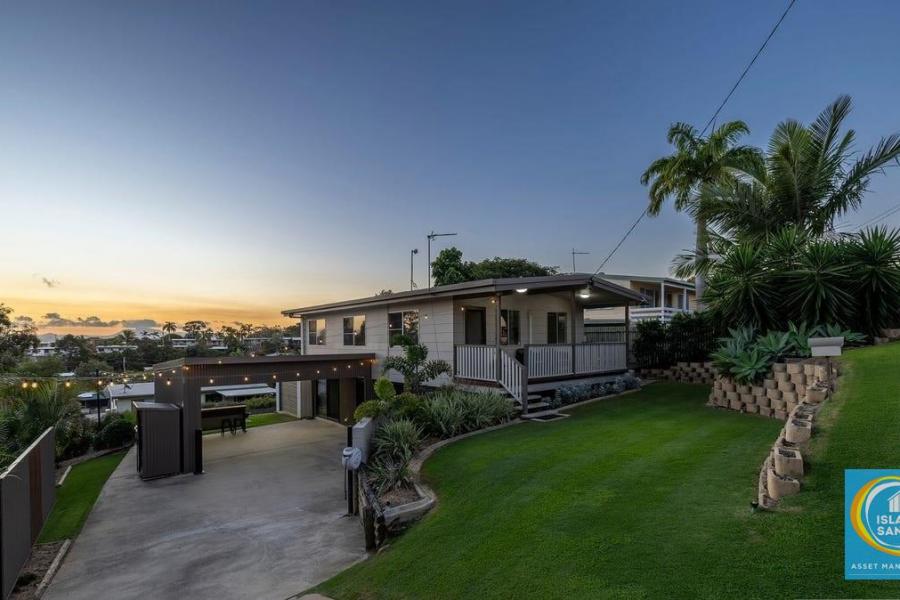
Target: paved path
{"type": "Point", "coordinates": [264, 521]}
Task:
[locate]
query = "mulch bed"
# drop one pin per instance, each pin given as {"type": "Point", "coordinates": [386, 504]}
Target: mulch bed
{"type": "Point", "coordinates": [33, 571]}
{"type": "Point", "coordinates": [399, 497]}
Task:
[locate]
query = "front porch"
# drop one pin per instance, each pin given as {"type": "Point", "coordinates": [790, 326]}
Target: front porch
{"type": "Point", "coordinates": [524, 371]}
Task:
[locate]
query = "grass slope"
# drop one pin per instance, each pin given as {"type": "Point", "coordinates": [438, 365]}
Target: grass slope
{"type": "Point", "coordinates": [643, 496]}
{"type": "Point", "coordinates": [75, 499]}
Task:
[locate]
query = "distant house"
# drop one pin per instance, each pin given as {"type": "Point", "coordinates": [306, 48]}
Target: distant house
{"type": "Point", "coordinates": [520, 334]}
{"type": "Point", "coordinates": [114, 348]}
{"type": "Point", "coordinates": [664, 297]}
{"type": "Point", "coordinates": [44, 348]}
{"type": "Point", "coordinates": [122, 395]}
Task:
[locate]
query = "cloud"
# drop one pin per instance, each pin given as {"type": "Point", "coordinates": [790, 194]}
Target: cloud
{"type": "Point", "coordinates": [140, 323]}
{"type": "Point", "coordinates": [50, 283]}
{"type": "Point", "coordinates": [55, 319]}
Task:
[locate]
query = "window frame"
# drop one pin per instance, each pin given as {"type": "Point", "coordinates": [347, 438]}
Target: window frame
{"type": "Point", "coordinates": [316, 337]}
{"type": "Point", "coordinates": [358, 336]}
{"type": "Point", "coordinates": [403, 326]}
{"type": "Point", "coordinates": [555, 335]}
{"type": "Point", "coordinates": [510, 335]}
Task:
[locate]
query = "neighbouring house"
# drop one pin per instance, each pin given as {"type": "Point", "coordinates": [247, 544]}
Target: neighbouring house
{"type": "Point", "coordinates": [44, 348]}
{"type": "Point", "coordinates": [664, 297]}
{"type": "Point", "coordinates": [519, 334]}
{"type": "Point", "coordinates": [123, 395]}
{"type": "Point", "coordinates": [114, 348]}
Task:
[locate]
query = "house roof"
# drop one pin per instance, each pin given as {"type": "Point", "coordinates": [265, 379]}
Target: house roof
{"type": "Point", "coordinates": [612, 294]}
{"type": "Point", "coordinates": [669, 280]}
{"type": "Point", "coordinates": [258, 390]}
{"type": "Point", "coordinates": [128, 390]}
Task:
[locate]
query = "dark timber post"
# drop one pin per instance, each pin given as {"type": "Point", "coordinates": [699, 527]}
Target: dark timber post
{"type": "Point", "coordinates": [198, 451]}
{"type": "Point", "coordinates": [497, 337]}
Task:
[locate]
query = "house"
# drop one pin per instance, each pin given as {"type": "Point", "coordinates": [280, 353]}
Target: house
{"type": "Point", "coordinates": [44, 348]}
{"type": "Point", "coordinates": [122, 395]}
{"type": "Point", "coordinates": [664, 298]}
{"type": "Point", "coordinates": [523, 335]}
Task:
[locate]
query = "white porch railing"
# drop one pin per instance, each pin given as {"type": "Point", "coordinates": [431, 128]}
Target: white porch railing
{"type": "Point", "coordinates": [549, 360]}
{"type": "Point", "coordinates": [660, 313]}
{"type": "Point", "coordinates": [602, 356]}
{"type": "Point", "coordinates": [512, 375]}
{"type": "Point", "coordinates": [556, 360]}
{"type": "Point", "coordinates": [476, 362]}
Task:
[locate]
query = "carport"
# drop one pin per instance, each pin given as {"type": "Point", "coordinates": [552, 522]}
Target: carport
{"type": "Point", "coordinates": [347, 378]}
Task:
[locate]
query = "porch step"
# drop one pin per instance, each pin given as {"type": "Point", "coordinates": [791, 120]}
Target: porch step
{"type": "Point", "coordinates": [537, 405]}
{"type": "Point", "coordinates": [544, 415]}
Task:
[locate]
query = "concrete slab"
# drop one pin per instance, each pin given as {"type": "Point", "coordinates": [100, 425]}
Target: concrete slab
{"type": "Point", "coordinates": [266, 520]}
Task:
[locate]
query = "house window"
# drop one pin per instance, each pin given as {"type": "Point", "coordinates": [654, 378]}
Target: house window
{"type": "Point", "coordinates": [509, 327]}
{"type": "Point", "coordinates": [403, 323]}
{"type": "Point", "coordinates": [315, 330]}
{"type": "Point", "coordinates": [355, 330]}
{"type": "Point", "coordinates": [651, 296]}
{"type": "Point", "coordinates": [556, 328]}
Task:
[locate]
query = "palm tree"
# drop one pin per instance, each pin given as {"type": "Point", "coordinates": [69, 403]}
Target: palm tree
{"type": "Point", "coordinates": [699, 163]}
{"type": "Point", "coordinates": [169, 328]}
{"type": "Point", "coordinates": [810, 179]}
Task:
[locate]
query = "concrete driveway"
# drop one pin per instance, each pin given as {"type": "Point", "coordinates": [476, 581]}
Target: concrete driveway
{"type": "Point", "coordinates": [265, 520]}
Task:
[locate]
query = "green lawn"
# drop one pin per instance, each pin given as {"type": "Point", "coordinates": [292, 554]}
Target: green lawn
{"type": "Point", "coordinates": [643, 496]}
{"type": "Point", "coordinates": [271, 418]}
{"type": "Point", "coordinates": [75, 499]}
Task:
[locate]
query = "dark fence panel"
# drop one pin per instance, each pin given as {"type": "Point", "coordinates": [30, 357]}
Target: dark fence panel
{"type": "Point", "coordinates": [663, 345]}
{"type": "Point", "coordinates": [27, 494]}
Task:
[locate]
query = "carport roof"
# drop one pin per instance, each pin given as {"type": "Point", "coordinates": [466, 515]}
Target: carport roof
{"type": "Point", "coordinates": [260, 360]}
{"type": "Point", "coordinates": [250, 391]}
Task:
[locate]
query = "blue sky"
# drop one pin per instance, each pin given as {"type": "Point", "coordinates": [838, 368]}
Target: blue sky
{"type": "Point", "coordinates": [228, 160]}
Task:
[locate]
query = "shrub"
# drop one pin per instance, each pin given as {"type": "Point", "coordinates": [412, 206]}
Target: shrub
{"type": "Point", "coordinates": [450, 412]}
{"type": "Point", "coordinates": [407, 406]}
{"type": "Point", "coordinates": [386, 474]}
{"type": "Point", "coordinates": [570, 394]}
{"type": "Point", "coordinates": [259, 402]}
{"type": "Point", "coordinates": [398, 439]}
{"type": "Point", "coordinates": [115, 431]}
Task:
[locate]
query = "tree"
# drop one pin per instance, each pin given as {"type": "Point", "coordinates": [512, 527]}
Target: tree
{"type": "Point", "coordinates": [74, 350]}
{"type": "Point", "coordinates": [697, 164]}
{"type": "Point", "coordinates": [44, 366]}
{"type": "Point", "coordinates": [414, 365]}
{"type": "Point", "coordinates": [196, 329]}
{"type": "Point", "coordinates": [809, 179]}
{"type": "Point", "coordinates": [15, 338]}
{"type": "Point", "coordinates": [168, 328]}
{"type": "Point", "coordinates": [448, 267]}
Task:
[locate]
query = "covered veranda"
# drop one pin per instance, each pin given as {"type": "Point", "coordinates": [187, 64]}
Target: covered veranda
{"type": "Point", "coordinates": [182, 382]}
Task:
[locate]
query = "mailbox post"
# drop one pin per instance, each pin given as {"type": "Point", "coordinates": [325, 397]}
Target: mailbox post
{"type": "Point", "coordinates": [827, 347]}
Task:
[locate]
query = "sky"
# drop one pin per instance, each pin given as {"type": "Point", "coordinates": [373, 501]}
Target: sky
{"type": "Point", "coordinates": [228, 160]}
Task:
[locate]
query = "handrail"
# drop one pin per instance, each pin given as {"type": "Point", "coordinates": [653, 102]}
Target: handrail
{"type": "Point", "coordinates": [512, 375]}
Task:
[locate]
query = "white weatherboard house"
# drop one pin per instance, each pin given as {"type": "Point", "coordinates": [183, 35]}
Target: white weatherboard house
{"type": "Point", "coordinates": [517, 333]}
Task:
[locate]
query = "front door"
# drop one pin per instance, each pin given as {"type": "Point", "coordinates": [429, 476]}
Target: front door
{"type": "Point", "coordinates": [476, 330]}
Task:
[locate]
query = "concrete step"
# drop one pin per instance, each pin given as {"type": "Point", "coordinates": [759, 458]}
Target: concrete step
{"type": "Point", "coordinates": [537, 405]}
{"type": "Point", "coordinates": [543, 413]}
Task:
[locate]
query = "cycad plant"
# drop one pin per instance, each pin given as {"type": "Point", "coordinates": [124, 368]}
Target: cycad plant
{"type": "Point", "coordinates": [875, 256]}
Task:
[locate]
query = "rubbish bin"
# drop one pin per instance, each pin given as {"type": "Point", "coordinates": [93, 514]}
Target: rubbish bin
{"type": "Point", "coordinates": [158, 439]}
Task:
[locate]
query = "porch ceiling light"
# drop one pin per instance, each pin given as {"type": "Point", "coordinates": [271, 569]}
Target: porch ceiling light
{"type": "Point", "coordinates": [521, 290]}
{"type": "Point", "coordinates": [585, 293]}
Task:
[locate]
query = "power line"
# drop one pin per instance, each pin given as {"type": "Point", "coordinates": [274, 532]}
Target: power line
{"type": "Point", "coordinates": [749, 65]}
{"type": "Point", "coordinates": [711, 119]}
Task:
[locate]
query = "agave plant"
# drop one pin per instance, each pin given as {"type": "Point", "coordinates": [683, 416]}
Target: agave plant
{"type": "Point", "coordinates": [731, 348]}
{"type": "Point", "coordinates": [850, 337]}
{"type": "Point", "coordinates": [775, 344]}
{"type": "Point", "coordinates": [751, 365]}
{"type": "Point", "coordinates": [799, 336]}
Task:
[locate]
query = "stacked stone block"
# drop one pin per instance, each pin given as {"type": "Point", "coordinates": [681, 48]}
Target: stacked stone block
{"type": "Point", "coordinates": [787, 386]}
{"type": "Point", "coordinates": [684, 372]}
